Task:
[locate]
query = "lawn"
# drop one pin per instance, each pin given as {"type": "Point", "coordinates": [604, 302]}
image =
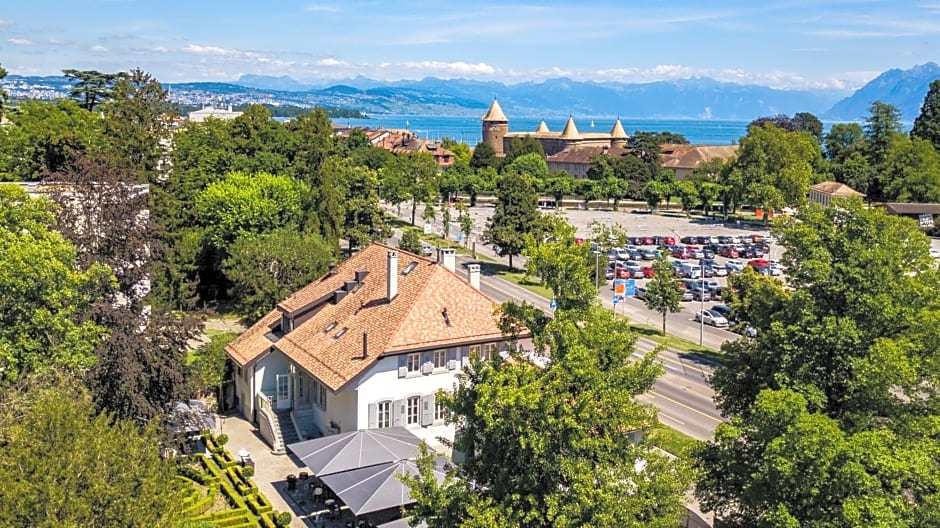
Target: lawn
{"type": "Point", "coordinates": [672, 441]}
{"type": "Point", "coordinates": [677, 343]}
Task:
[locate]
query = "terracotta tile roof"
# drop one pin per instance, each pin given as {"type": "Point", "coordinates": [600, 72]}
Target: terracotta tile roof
{"type": "Point", "coordinates": [583, 154]}
{"type": "Point", "coordinates": [691, 156]}
{"type": "Point", "coordinates": [412, 320]}
{"type": "Point", "coordinates": [835, 189]}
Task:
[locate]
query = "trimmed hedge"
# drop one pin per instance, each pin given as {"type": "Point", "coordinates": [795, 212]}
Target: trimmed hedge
{"type": "Point", "coordinates": [200, 506]}
{"type": "Point", "coordinates": [224, 459]}
{"type": "Point", "coordinates": [267, 520]}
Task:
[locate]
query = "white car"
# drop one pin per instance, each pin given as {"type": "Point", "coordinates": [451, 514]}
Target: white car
{"type": "Point", "coordinates": [776, 269]}
{"type": "Point", "coordinates": [711, 317]}
{"type": "Point", "coordinates": [734, 266]}
{"type": "Point", "coordinates": [428, 249]}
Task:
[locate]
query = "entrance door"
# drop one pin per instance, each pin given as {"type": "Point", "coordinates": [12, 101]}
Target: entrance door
{"type": "Point", "coordinates": [283, 391]}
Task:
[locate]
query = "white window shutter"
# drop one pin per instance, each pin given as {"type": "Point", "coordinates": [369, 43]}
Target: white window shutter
{"type": "Point", "coordinates": [427, 410]}
{"type": "Point", "coordinates": [402, 366]}
{"type": "Point", "coordinates": [427, 368]}
{"type": "Point", "coordinates": [402, 372]}
{"type": "Point", "coordinates": [373, 416]}
{"type": "Point", "coordinates": [398, 413]}
{"type": "Point", "coordinates": [452, 364]}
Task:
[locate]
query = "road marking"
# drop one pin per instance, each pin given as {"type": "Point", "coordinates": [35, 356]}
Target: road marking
{"type": "Point", "coordinates": [693, 409]}
{"type": "Point", "coordinates": [664, 415]}
{"type": "Point", "coordinates": [684, 366]}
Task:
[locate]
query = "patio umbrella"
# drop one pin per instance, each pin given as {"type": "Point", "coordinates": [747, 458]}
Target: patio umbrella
{"type": "Point", "coordinates": [402, 523]}
{"type": "Point", "coordinates": [378, 487]}
{"type": "Point", "coordinates": [356, 449]}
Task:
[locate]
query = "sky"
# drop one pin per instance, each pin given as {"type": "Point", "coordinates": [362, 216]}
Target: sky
{"type": "Point", "coordinates": [783, 44]}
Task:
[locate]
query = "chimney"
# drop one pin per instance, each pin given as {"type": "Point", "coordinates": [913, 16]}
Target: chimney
{"type": "Point", "coordinates": [474, 275]}
{"type": "Point", "coordinates": [331, 266]}
{"type": "Point", "coordinates": [392, 280]}
{"type": "Point", "coordinates": [365, 345]}
{"type": "Point", "coordinates": [449, 259]}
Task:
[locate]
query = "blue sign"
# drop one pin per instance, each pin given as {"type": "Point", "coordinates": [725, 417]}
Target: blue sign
{"type": "Point", "coordinates": [459, 236]}
{"type": "Point", "coordinates": [631, 288]}
{"type": "Point", "coordinates": [554, 304]}
{"type": "Point", "coordinates": [620, 290]}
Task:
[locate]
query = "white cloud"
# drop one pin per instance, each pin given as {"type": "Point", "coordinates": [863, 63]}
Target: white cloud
{"type": "Point", "coordinates": [5, 22]}
{"type": "Point", "coordinates": [99, 49]}
{"type": "Point", "coordinates": [159, 49]}
{"type": "Point", "coordinates": [16, 41]}
{"type": "Point", "coordinates": [196, 49]}
{"type": "Point", "coordinates": [457, 68]}
{"type": "Point", "coordinates": [330, 61]}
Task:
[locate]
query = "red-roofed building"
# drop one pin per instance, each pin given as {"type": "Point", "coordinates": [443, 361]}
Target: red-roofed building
{"type": "Point", "coordinates": [366, 346]}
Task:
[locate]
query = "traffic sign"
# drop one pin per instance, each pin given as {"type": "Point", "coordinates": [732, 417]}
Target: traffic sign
{"type": "Point", "coordinates": [630, 289]}
{"type": "Point", "coordinates": [620, 290]}
{"type": "Point", "coordinates": [554, 304]}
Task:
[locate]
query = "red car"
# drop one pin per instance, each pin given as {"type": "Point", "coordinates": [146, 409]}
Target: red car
{"type": "Point", "coordinates": [681, 253]}
{"type": "Point", "coordinates": [728, 251]}
{"type": "Point", "coordinates": [648, 272]}
{"type": "Point", "coordinates": [758, 263]}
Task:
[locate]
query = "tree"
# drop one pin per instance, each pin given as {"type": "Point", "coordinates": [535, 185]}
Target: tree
{"type": "Point", "coordinates": [912, 171]}
{"type": "Point", "coordinates": [364, 221]}
{"type": "Point", "coordinates": [43, 296]}
{"type": "Point", "coordinates": [136, 122]}
{"type": "Point", "coordinates": [3, 93]}
{"type": "Point", "coordinates": [519, 147]}
{"type": "Point", "coordinates": [550, 446]}
{"type": "Point", "coordinates": [662, 293]}
{"type": "Point", "coordinates": [410, 242]}
{"type": "Point", "coordinates": [62, 466]}
{"type": "Point", "coordinates": [842, 140]}
{"type": "Point", "coordinates": [104, 212]}
{"type": "Point", "coordinates": [47, 137]}
{"type": "Point", "coordinates": [483, 156]}
{"type": "Point", "coordinates": [462, 154]}
{"type": "Point", "coordinates": [689, 195]}
{"type": "Point", "coordinates": [139, 368]}
{"type": "Point", "coordinates": [565, 267]}
{"type": "Point", "coordinates": [881, 127]}
{"type": "Point", "coordinates": [516, 215]}
{"type": "Point", "coordinates": [92, 87]}
{"type": "Point", "coordinates": [532, 164]}
{"type": "Point", "coordinates": [558, 184]}
{"type": "Point", "coordinates": [927, 123]}
{"type": "Point", "coordinates": [247, 204]}
{"type": "Point", "coordinates": [830, 424]}
{"type": "Point", "coordinates": [777, 167]}
{"type": "Point", "coordinates": [211, 367]}
{"type": "Point", "coordinates": [267, 268]}
{"type": "Point", "coordinates": [855, 172]}
{"type": "Point", "coordinates": [654, 192]}
{"type": "Point", "coordinates": [411, 176]}
{"type": "Point", "coordinates": [465, 221]}
{"type": "Point", "coordinates": [445, 219]}
{"type": "Point", "coordinates": [808, 122]}
{"type": "Point", "coordinates": [647, 147]}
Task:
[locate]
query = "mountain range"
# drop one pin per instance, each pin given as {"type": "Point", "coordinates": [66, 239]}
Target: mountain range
{"type": "Point", "coordinates": [695, 98]}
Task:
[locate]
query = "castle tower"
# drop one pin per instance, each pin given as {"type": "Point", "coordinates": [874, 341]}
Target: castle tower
{"type": "Point", "coordinates": [542, 129]}
{"type": "Point", "coordinates": [495, 127]}
{"type": "Point", "coordinates": [618, 137]}
{"type": "Point", "coordinates": [570, 133]}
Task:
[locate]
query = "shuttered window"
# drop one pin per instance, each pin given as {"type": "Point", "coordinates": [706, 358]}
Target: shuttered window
{"type": "Point", "coordinates": [414, 410]}
{"type": "Point", "coordinates": [384, 414]}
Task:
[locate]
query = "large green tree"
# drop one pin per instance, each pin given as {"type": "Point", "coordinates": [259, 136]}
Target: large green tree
{"type": "Point", "coordinates": [562, 265]}
{"type": "Point", "coordinates": [515, 217]}
{"type": "Point", "coordinates": [519, 147]}
{"type": "Point", "coordinates": [363, 219]}
{"type": "Point", "coordinates": [912, 171]}
{"type": "Point", "coordinates": [246, 204]}
{"type": "Point", "coordinates": [483, 156]}
{"type": "Point", "coordinates": [43, 296]}
{"type": "Point", "coordinates": [63, 464]}
{"type": "Point", "coordinates": [882, 127]}
{"type": "Point", "coordinates": [552, 446]}
{"type": "Point", "coordinates": [91, 87]}
{"type": "Point", "coordinates": [265, 269]}
{"type": "Point", "coordinates": [927, 123]}
{"type": "Point", "coordinates": [136, 121]}
{"type": "Point", "coordinates": [842, 140]}
{"type": "Point", "coordinates": [832, 407]}
{"type": "Point", "coordinates": [412, 177]}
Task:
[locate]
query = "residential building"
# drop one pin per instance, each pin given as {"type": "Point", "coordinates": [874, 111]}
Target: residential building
{"type": "Point", "coordinates": [198, 116]}
{"type": "Point", "coordinates": [823, 192]}
{"type": "Point", "coordinates": [923, 213]}
{"type": "Point", "coordinates": [369, 345]}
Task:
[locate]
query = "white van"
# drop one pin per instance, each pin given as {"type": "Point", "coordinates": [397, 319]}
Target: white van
{"type": "Point", "coordinates": [690, 271]}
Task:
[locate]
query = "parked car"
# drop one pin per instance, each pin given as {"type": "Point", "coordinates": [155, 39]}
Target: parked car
{"type": "Point", "coordinates": [427, 249]}
{"type": "Point", "coordinates": [618, 253]}
{"type": "Point", "coordinates": [690, 271]}
{"type": "Point", "coordinates": [699, 293]}
{"type": "Point", "coordinates": [758, 263]}
{"type": "Point", "coordinates": [729, 252]}
{"type": "Point", "coordinates": [712, 286]}
{"type": "Point", "coordinates": [649, 254]}
{"type": "Point", "coordinates": [734, 266]}
{"type": "Point", "coordinates": [640, 292]}
{"type": "Point", "coordinates": [610, 271]}
{"type": "Point", "coordinates": [634, 269]}
{"type": "Point", "coordinates": [681, 252]}
{"type": "Point", "coordinates": [725, 240]}
{"type": "Point", "coordinates": [648, 272]}
{"type": "Point", "coordinates": [687, 295]}
{"type": "Point", "coordinates": [711, 317]}
{"type": "Point", "coordinates": [724, 310]}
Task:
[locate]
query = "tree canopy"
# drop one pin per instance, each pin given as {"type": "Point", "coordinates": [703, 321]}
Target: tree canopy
{"type": "Point", "coordinates": [515, 217]}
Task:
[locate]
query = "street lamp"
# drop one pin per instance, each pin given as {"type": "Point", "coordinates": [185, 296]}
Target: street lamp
{"type": "Point", "coordinates": [701, 330]}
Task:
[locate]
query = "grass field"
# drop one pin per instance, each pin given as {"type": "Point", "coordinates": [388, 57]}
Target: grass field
{"type": "Point", "coordinates": [672, 441]}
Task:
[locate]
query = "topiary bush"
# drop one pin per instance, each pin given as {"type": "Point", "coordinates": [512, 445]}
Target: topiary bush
{"type": "Point", "coordinates": [222, 439]}
{"type": "Point", "coordinates": [282, 519]}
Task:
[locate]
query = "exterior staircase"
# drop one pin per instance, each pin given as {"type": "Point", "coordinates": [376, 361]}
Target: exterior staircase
{"type": "Point", "coordinates": [284, 431]}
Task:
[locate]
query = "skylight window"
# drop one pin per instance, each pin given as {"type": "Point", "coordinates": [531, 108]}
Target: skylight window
{"type": "Point", "coordinates": [330, 327]}
{"type": "Point", "coordinates": [342, 331]}
{"type": "Point", "coordinates": [409, 268]}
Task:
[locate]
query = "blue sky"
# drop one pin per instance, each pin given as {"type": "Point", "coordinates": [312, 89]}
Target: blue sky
{"type": "Point", "coordinates": [787, 43]}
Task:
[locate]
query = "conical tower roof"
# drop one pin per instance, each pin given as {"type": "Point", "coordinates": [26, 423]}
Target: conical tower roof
{"type": "Point", "coordinates": [618, 132]}
{"type": "Point", "coordinates": [570, 131]}
{"type": "Point", "coordinates": [542, 128]}
{"type": "Point", "coordinates": [495, 113]}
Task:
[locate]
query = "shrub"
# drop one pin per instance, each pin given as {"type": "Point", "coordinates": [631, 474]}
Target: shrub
{"type": "Point", "coordinates": [248, 471]}
{"type": "Point", "coordinates": [282, 519]}
{"type": "Point", "coordinates": [222, 439]}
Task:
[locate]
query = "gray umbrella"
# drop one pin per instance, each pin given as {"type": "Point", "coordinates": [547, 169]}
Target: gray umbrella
{"type": "Point", "coordinates": [402, 523]}
{"type": "Point", "coordinates": [356, 449]}
{"type": "Point", "coordinates": [378, 487]}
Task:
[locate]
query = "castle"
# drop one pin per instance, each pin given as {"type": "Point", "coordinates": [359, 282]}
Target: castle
{"type": "Point", "coordinates": [496, 133]}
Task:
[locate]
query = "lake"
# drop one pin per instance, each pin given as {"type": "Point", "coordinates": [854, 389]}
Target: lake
{"type": "Point", "coordinates": [466, 129]}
